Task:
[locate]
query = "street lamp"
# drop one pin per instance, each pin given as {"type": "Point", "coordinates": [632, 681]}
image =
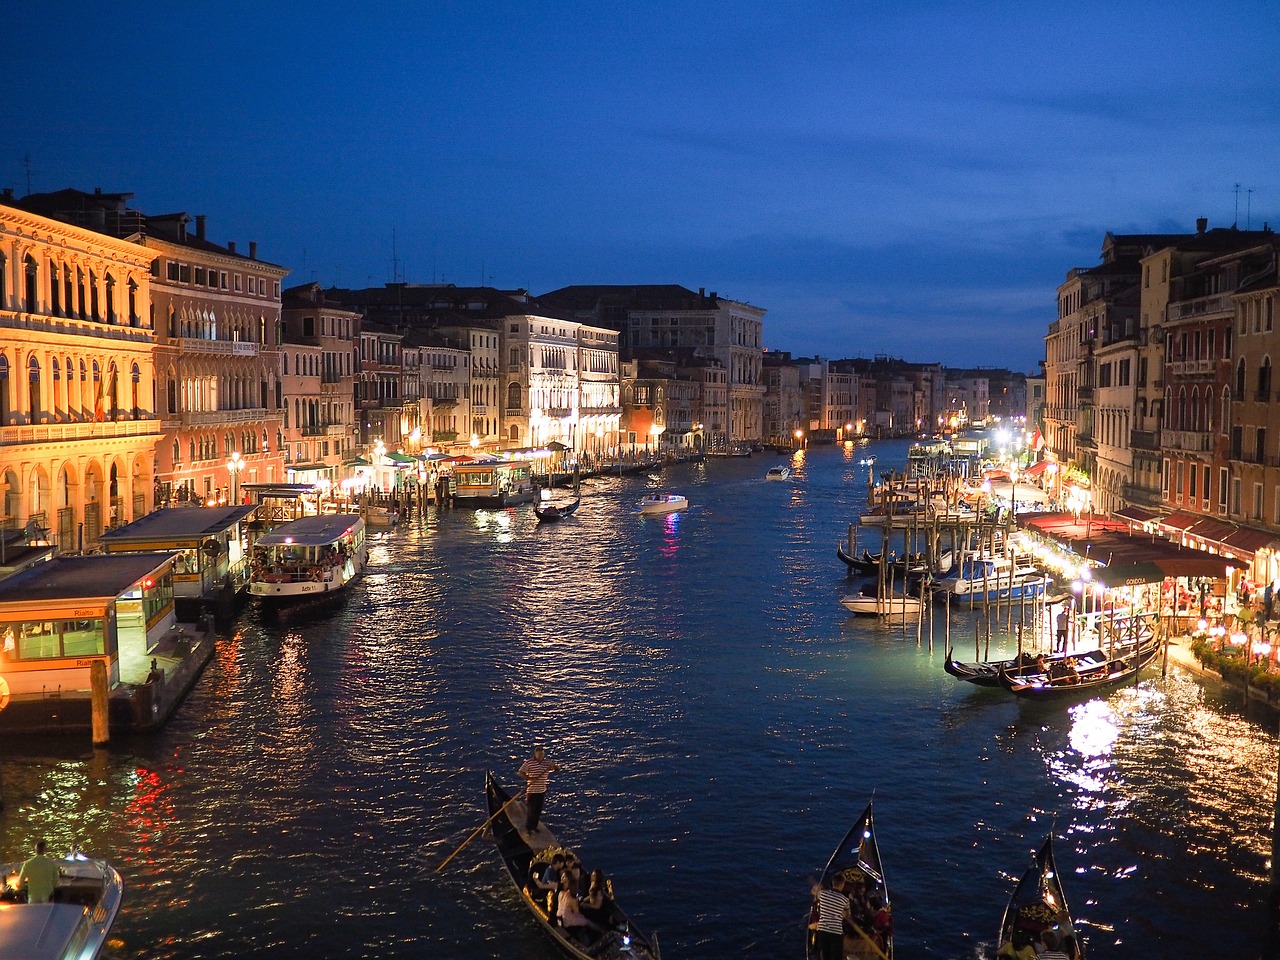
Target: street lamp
{"type": "Point", "coordinates": [799, 437]}
{"type": "Point", "coordinates": [234, 466]}
{"type": "Point", "coordinates": [656, 430]}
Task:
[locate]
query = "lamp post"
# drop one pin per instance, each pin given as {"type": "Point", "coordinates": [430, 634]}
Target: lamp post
{"type": "Point", "coordinates": [234, 466]}
{"type": "Point", "coordinates": [799, 437]}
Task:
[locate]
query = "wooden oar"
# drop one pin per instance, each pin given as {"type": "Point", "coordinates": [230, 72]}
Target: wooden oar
{"type": "Point", "coordinates": [865, 936]}
{"type": "Point", "coordinates": [479, 830]}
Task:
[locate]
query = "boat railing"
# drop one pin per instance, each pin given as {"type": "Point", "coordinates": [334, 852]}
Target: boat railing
{"type": "Point", "coordinates": [294, 573]}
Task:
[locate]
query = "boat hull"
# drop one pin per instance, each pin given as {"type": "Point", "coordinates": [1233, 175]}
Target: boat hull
{"type": "Point", "coordinates": [77, 923]}
{"type": "Point", "coordinates": [870, 606]}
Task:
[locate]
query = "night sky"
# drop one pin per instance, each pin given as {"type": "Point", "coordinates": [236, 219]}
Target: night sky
{"type": "Point", "coordinates": [881, 177]}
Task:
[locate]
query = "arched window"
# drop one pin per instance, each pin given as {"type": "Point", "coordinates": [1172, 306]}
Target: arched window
{"type": "Point", "coordinates": [135, 376]}
{"type": "Point", "coordinates": [513, 396]}
{"type": "Point", "coordinates": [1208, 409]}
{"type": "Point", "coordinates": [134, 318]}
{"type": "Point", "coordinates": [32, 298]}
{"type": "Point", "coordinates": [55, 289]}
{"type": "Point", "coordinates": [1264, 379]}
{"type": "Point", "coordinates": [33, 389]}
{"type": "Point", "coordinates": [111, 299]}
{"type": "Point", "coordinates": [5, 407]}
{"type": "Point", "coordinates": [1181, 420]}
{"type": "Point", "coordinates": [55, 396]}
{"type": "Point", "coordinates": [98, 411]}
{"type": "Point", "coordinates": [1240, 378]}
{"type": "Point", "coordinates": [177, 453]}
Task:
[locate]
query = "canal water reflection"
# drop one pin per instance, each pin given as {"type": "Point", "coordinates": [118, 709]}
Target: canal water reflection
{"type": "Point", "coordinates": [721, 721]}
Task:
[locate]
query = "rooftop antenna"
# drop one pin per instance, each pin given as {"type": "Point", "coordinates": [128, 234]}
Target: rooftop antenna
{"type": "Point", "coordinates": [395, 261]}
{"type": "Point", "coordinates": [1248, 209]}
{"type": "Point", "coordinates": [1236, 221]}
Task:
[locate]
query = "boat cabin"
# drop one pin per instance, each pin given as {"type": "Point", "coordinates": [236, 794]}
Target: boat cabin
{"type": "Point", "coordinates": [58, 617]}
{"type": "Point", "coordinates": [208, 544]}
{"type": "Point", "coordinates": [493, 483]}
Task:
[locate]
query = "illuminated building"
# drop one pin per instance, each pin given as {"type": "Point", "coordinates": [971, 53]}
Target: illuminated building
{"type": "Point", "coordinates": [78, 428]}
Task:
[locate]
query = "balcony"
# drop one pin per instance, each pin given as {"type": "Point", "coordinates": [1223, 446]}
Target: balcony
{"type": "Point", "coordinates": [1190, 441]}
{"type": "Point", "coordinates": [1144, 440]}
{"type": "Point", "coordinates": [1084, 438]}
{"type": "Point", "coordinates": [1198, 308]}
{"type": "Point", "coordinates": [209, 418]}
{"type": "Point", "coordinates": [1191, 368]}
{"type": "Point", "coordinates": [227, 348]}
{"type": "Point", "coordinates": [1085, 393]}
{"type": "Point", "coordinates": [81, 430]}
{"type": "Point", "coordinates": [1140, 496]}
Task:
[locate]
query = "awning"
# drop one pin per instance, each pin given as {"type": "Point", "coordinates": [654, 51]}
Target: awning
{"type": "Point", "coordinates": [1037, 468]}
{"type": "Point", "coordinates": [1250, 541]}
{"type": "Point", "coordinates": [1156, 570]}
{"type": "Point", "coordinates": [400, 459]}
{"type": "Point", "coordinates": [1181, 520]}
{"type": "Point", "coordinates": [1136, 515]}
{"type": "Point", "coordinates": [1214, 530]}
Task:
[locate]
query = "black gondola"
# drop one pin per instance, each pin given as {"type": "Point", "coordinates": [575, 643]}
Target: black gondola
{"type": "Point", "coordinates": [522, 854]}
{"type": "Point", "coordinates": [987, 673]}
{"type": "Point", "coordinates": [864, 564]}
{"type": "Point", "coordinates": [551, 510]}
{"type": "Point", "coordinates": [1077, 674]}
{"type": "Point", "coordinates": [1038, 904]}
{"type": "Point", "coordinates": [857, 859]}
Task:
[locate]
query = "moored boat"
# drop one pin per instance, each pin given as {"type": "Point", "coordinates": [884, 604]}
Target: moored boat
{"type": "Point", "coordinates": [995, 578]}
{"type": "Point", "coordinates": [74, 925]}
{"type": "Point", "coordinates": [1074, 675]}
{"type": "Point", "coordinates": [659, 504]}
{"type": "Point", "coordinates": [308, 558]}
{"type": "Point", "coordinates": [868, 604]}
{"type": "Point", "coordinates": [867, 563]}
{"type": "Point", "coordinates": [1039, 904]}
{"type": "Point", "coordinates": [987, 673]}
{"type": "Point", "coordinates": [857, 861]}
{"type": "Point", "coordinates": [523, 854]}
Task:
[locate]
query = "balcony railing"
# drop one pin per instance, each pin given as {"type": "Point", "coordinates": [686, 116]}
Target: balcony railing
{"type": "Point", "coordinates": [1198, 307]}
{"type": "Point", "coordinates": [231, 348]}
{"type": "Point", "coordinates": [82, 430]}
{"type": "Point", "coordinates": [1192, 368]}
{"type": "Point", "coordinates": [206, 418]}
{"type": "Point", "coordinates": [1189, 440]}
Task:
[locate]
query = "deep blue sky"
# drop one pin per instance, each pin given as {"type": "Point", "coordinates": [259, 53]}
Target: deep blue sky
{"type": "Point", "coordinates": [881, 177]}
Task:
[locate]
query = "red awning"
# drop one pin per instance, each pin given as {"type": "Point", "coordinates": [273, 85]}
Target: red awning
{"type": "Point", "coordinates": [1214, 530]}
{"type": "Point", "coordinates": [1181, 520]}
{"type": "Point", "coordinates": [1136, 514]}
{"type": "Point", "coordinates": [1247, 540]}
{"type": "Point", "coordinates": [1036, 468]}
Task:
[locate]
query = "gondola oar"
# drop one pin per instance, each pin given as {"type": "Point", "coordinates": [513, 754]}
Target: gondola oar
{"type": "Point", "coordinates": [479, 830]}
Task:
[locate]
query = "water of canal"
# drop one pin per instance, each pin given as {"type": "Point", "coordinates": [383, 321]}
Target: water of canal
{"type": "Point", "coordinates": [721, 721]}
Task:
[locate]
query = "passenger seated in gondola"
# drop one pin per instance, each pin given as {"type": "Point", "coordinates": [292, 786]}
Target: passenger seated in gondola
{"type": "Point", "coordinates": [597, 905]}
{"type": "Point", "coordinates": [569, 914]}
{"type": "Point", "coordinates": [1020, 947]}
{"type": "Point", "coordinates": [546, 876]}
{"type": "Point", "coordinates": [881, 923]}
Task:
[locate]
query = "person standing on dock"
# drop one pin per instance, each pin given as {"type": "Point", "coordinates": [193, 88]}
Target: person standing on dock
{"type": "Point", "coordinates": [535, 771]}
{"type": "Point", "coordinates": [1064, 628]}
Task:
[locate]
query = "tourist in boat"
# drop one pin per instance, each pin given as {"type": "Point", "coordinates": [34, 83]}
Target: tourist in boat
{"type": "Point", "coordinates": [596, 904]}
{"type": "Point", "coordinates": [1020, 947]}
{"type": "Point", "coordinates": [881, 923]}
{"type": "Point", "coordinates": [1050, 943]}
{"type": "Point", "coordinates": [569, 912]}
{"type": "Point", "coordinates": [549, 877]}
{"type": "Point", "coordinates": [39, 875]}
{"type": "Point", "coordinates": [535, 771]}
{"type": "Point", "coordinates": [833, 913]}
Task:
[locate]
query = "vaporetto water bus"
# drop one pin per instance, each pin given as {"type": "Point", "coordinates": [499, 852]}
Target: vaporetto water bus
{"type": "Point", "coordinates": [308, 558]}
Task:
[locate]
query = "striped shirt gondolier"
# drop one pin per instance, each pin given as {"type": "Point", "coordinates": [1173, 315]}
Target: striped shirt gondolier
{"type": "Point", "coordinates": [831, 907]}
{"type": "Point", "coordinates": [537, 771]}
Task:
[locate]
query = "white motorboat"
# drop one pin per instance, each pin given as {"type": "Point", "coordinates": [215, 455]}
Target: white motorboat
{"type": "Point", "coordinates": [870, 605]}
{"type": "Point", "coordinates": [659, 504]}
{"type": "Point", "coordinates": [308, 558]}
{"type": "Point", "coordinates": [995, 578]}
{"type": "Point", "coordinates": [778, 473]}
{"type": "Point", "coordinates": [74, 925]}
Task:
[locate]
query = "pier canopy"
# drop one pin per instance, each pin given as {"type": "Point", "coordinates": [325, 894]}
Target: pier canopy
{"type": "Point", "coordinates": [207, 541]}
{"type": "Point", "coordinates": [1122, 557]}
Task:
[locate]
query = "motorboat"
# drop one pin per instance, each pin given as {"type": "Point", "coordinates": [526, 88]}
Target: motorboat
{"type": "Point", "coordinates": [994, 577]}
{"type": "Point", "coordinates": [778, 473]}
{"type": "Point", "coordinates": [867, 461]}
{"type": "Point", "coordinates": [869, 604]}
{"type": "Point", "coordinates": [74, 924]}
{"type": "Point", "coordinates": [660, 504]}
{"type": "Point", "coordinates": [308, 558]}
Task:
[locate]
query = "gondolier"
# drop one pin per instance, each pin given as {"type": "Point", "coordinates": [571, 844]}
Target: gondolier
{"type": "Point", "coordinates": [536, 771]}
{"type": "Point", "coordinates": [833, 912]}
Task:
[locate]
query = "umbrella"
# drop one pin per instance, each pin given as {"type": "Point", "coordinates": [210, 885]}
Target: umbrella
{"type": "Point", "coordinates": [556, 445]}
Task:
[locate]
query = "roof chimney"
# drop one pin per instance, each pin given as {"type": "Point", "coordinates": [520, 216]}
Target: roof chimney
{"type": "Point", "coordinates": [253, 249]}
{"type": "Point", "coordinates": [231, 246]}
{"type": "Point", "coordinates": [1202, 224]}
{"type": "Point", "coordinates": [200, 217]}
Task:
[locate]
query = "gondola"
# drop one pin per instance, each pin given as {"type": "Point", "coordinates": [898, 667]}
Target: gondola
{"type": "Point", "coordinates": [1039, 904]}
{"type": "Point", "coordinates": [1074, 675]}
{"type": "Point", "coordinates": [987, 674]}
{"type": "Point", "coordinates": [522, 854]}
{"type": "Point", "coordinates": [867, 563]}
{"type": "Point", "coordinates": [857, 859]}
{"type": "Point", "coordinates": [550, 510]}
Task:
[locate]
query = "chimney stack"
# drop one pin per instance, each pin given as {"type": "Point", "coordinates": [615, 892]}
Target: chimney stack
{"type": "Point", "coordinates": [1202, 224]}
{"type": "Point", "coordinates": [231, 246]}
{"type": "Point", "coordinates": [200, 217]}
{"type": "Point", "coordinates": [253, 249]}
